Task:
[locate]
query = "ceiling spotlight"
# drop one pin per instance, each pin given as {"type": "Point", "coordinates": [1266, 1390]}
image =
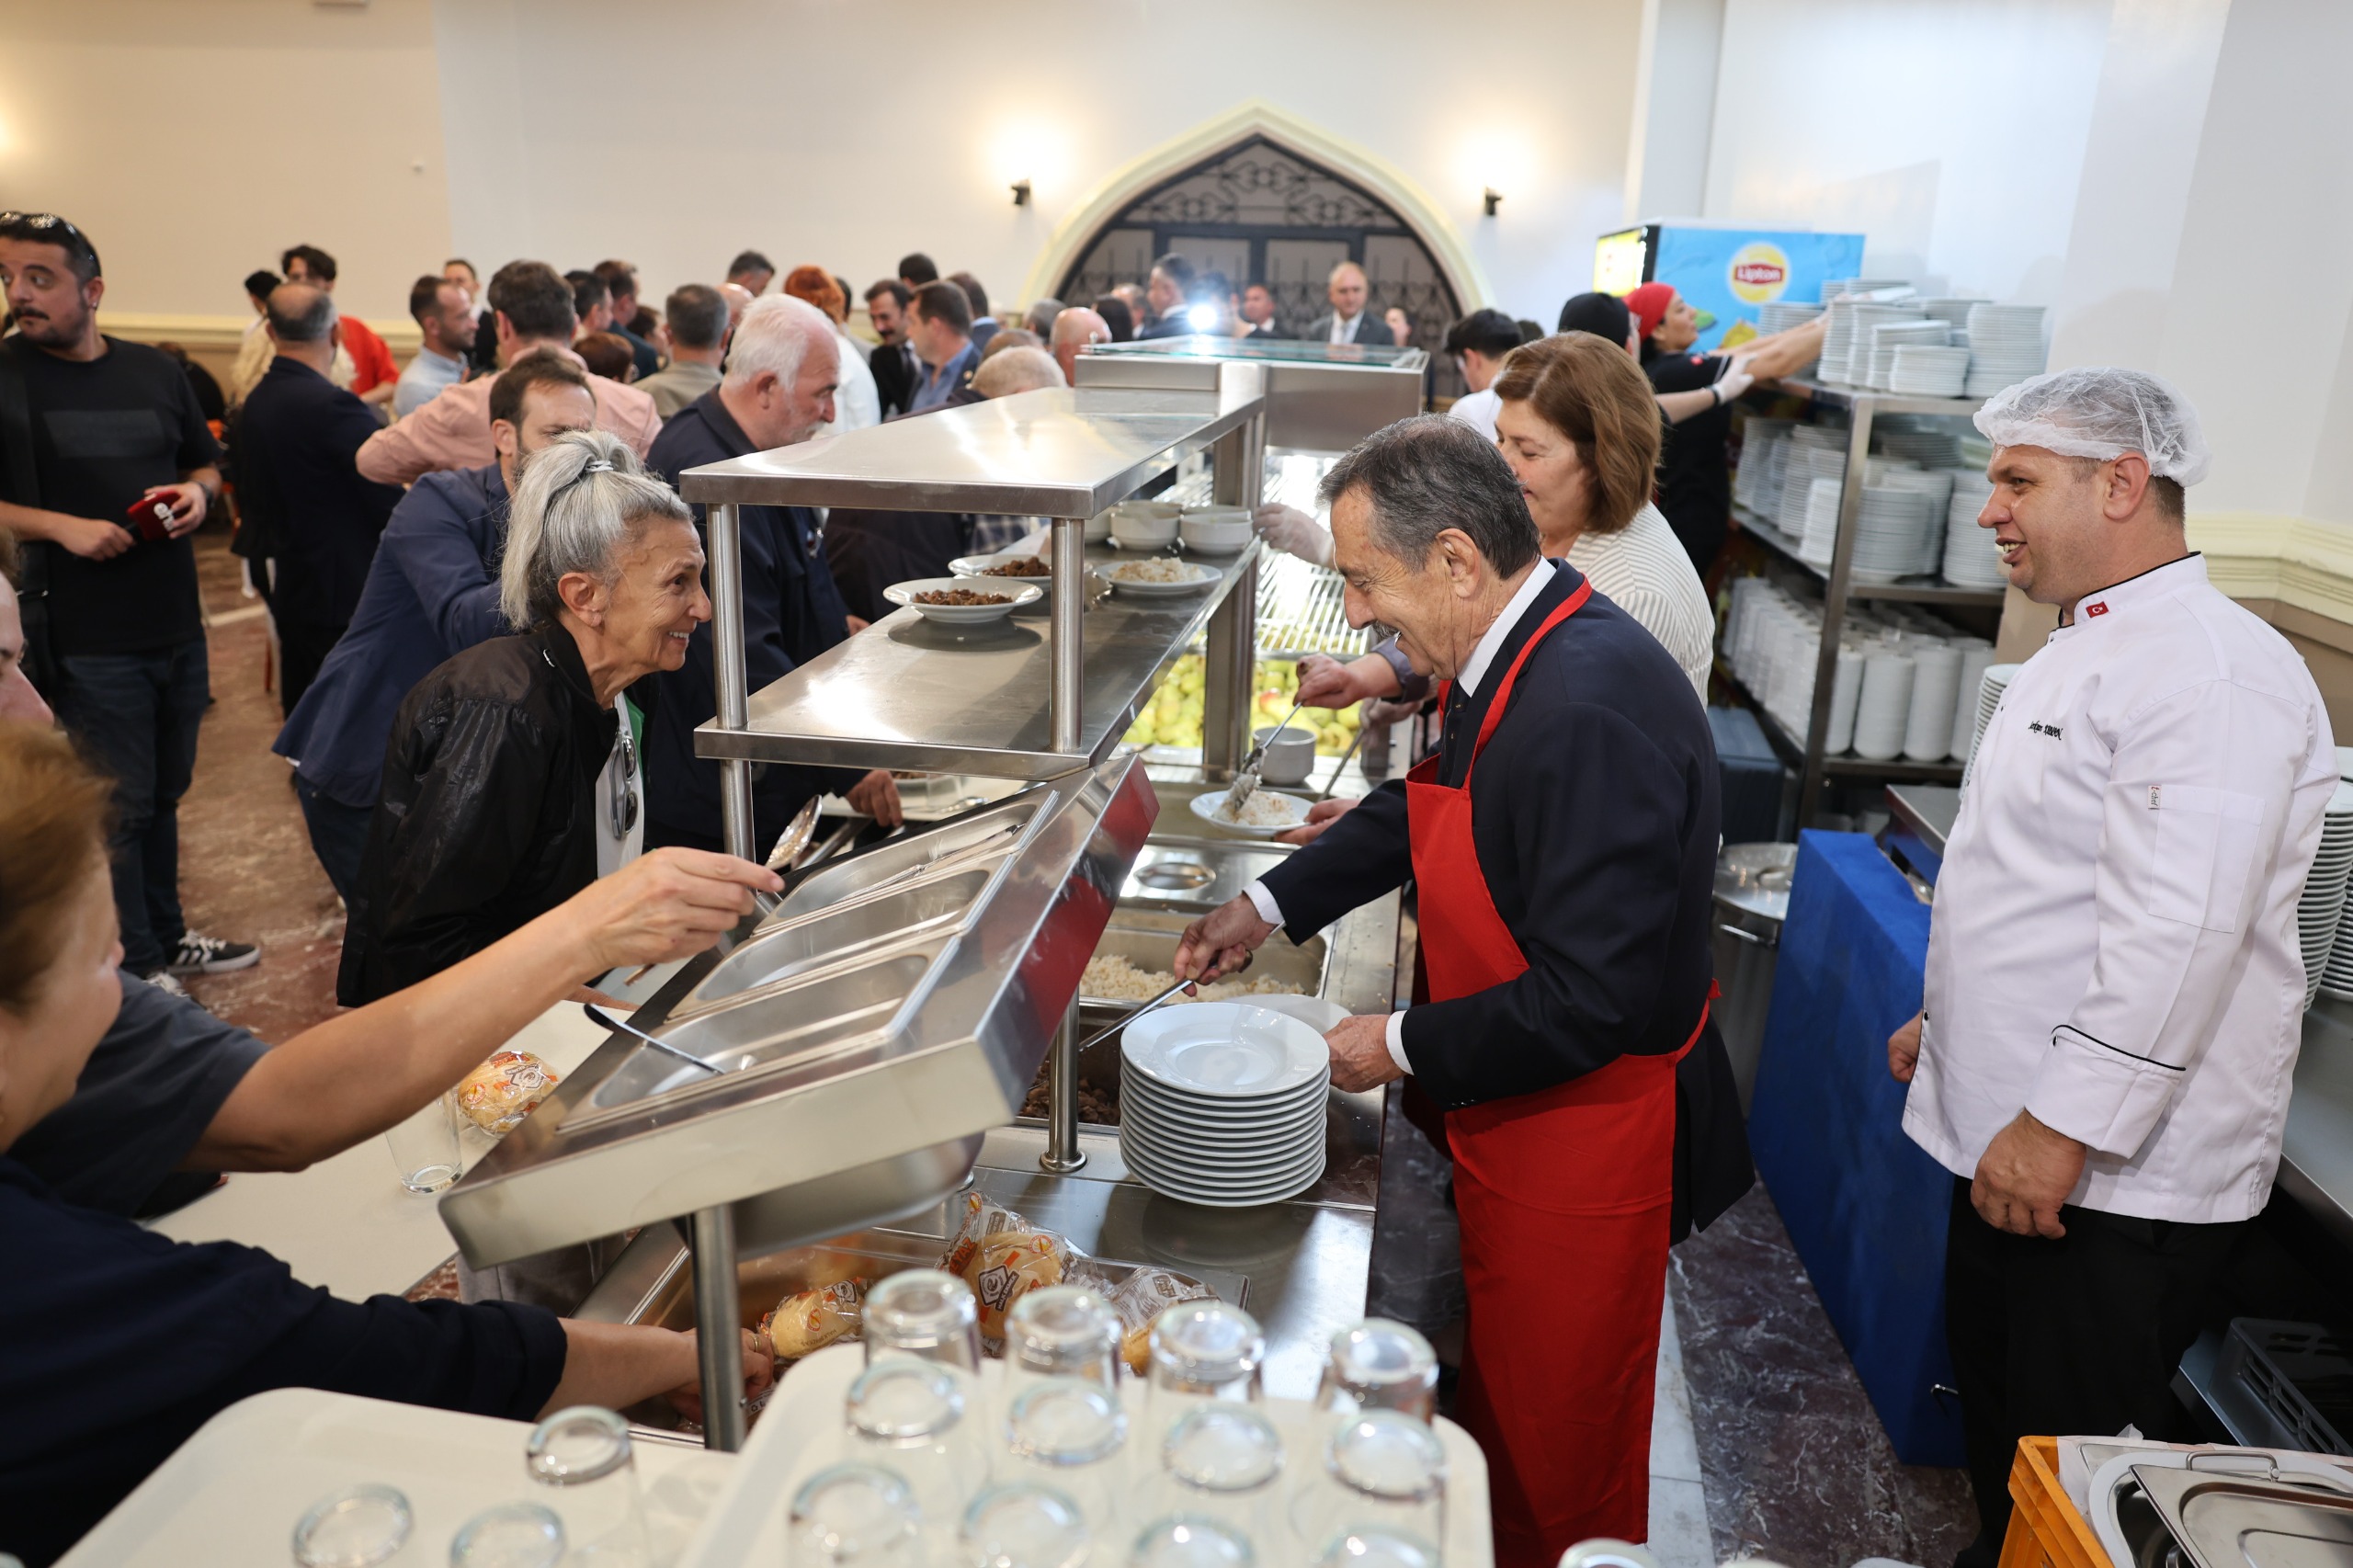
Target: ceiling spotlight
{"type": "Point", "coordinates": [1492, 199]}
{"type": "Point", "coordinates": [1021, 193]}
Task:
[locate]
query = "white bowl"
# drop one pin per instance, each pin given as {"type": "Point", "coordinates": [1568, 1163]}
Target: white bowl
{"type": "Point", "coordinates": [1098, 528]}
{"type": "Point", "coordinates": [903, 594]}
{"type": "Point", "coordinates": [1291, 754]}
{"type": "Point", "coordinates": [1215, 531]}
{"type": "Point", "coordinates": [1144, 525]}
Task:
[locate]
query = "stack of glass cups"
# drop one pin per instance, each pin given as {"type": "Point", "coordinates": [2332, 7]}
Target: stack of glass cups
{"type": "Point", "coordinates": [1062, 1331]}
{"type": "Point", "coordinates": [1378, 1548]}
{"type": "Point", "coordinates": [1202, 1352]}
{"type": "Point", "coordinates": [854, 1516]}
{"type": "Point", "coordinates": [926, 1314]}
{"type": "Point", "coordinates": [1023, 1526]}
{"type": "Point", "coordinates": [1221, 1462]}
{"type": "Point", "coordinates": [1189, 1542]}
{"type": "Point", "coordinates": [1067, 1434]}
{"type": "Point", "coordinates": [907, 1416]}
{"type": "Point", "coordinates": [583, 1455]}
{"type": "Point", "coordinates": [1383, 1473]}
{"type": "Point", "coordinates": [1214, 1458]}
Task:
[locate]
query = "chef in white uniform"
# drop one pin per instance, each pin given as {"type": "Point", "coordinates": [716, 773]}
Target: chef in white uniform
{"type": "Point", "coordinates": [2115, 987]}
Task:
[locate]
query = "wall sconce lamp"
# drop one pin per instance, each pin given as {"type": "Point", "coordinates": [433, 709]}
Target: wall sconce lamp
{"type": "Point", "coordinates": [1492, 198]}
{"type": "Point", "coordinates": [1021, 193]}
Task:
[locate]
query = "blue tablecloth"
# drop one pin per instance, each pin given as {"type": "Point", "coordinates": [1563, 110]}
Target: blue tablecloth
{"type": "Point", "coordinates": [1864, 1204]}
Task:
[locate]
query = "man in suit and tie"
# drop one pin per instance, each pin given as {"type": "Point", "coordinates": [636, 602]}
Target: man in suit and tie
{"type": "Point", "coordinates": [893, 363]}
{"type": "Point", "coordinates": [1170, 290]}
{"type": "Point", "coordinates": [1349, 321]}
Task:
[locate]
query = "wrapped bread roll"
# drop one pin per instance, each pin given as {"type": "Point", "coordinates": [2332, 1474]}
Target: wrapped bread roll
{"type": "Point", "coordinates": [1002, 1256]}
{"type": "Point", "coordinates": [497, 1095]}
{"type": "Point", "coordinates": [809, 1322]}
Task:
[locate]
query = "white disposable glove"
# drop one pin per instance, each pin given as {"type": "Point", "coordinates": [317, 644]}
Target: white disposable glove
{"type": "Point", "coordinates": [1735, 380]}
{"type": "Point", "coordinates": [1289, 530]}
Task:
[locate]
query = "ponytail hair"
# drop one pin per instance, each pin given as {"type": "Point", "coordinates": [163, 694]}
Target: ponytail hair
{"type": "Point", "coordinates": [576, 502]}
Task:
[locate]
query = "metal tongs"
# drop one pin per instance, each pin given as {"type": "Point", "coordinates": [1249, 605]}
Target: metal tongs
{"type": "Point", "coordinates": [1214, 974]}
{"type": "Point", "coordinates": [1245, 782]}
{"type": "Point", "coordinates": [599, 1015]}
{"type": "Point", "coordinates": [789, 846]}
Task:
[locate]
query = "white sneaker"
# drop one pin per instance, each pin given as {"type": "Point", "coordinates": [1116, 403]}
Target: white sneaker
{"type": "Point", "coordinates": [200, 954]}
{"type": "Point", "coordinates": [167, 983]}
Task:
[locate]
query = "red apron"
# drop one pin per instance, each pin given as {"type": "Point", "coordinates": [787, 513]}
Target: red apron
{"type": "Point", "coordinates": [1564, 1196]}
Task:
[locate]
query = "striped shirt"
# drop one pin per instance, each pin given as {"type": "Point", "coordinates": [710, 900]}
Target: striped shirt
{"type": "Point", "coordinates": [1644, 571]}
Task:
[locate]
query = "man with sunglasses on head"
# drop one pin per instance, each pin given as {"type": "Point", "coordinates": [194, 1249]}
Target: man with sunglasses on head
{"type": "Point", "coordinates": [106, 468]}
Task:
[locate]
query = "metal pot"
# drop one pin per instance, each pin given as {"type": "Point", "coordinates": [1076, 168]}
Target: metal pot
{"type": "Point", "coordinates": [1752, 899]}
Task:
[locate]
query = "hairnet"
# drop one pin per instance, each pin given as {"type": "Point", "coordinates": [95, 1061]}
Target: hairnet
{"type": "Point", "coordinates": [2101, 412]}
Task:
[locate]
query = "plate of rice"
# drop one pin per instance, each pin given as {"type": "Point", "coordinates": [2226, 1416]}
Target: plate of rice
{"type": "Point", "coordinates": [1266, 814]}
{"type": "Point", "coordinates": [1160, 575]}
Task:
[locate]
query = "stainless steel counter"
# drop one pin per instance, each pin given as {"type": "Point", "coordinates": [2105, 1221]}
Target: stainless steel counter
{"type": "Point", "coordinates": [1920, 819]}
{"type": "Point", "coordinates": [2316, 1148]}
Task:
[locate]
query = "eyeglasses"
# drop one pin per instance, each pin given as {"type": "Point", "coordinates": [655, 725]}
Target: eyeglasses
{"type": "Point", "coordinates": [624, 794]}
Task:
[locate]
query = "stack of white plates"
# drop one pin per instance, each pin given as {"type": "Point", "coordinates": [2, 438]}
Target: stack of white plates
{"type": "Point", "coordinates": [1936, 691]}
{"type": "Point", "coordinates": [1972, 559]}
{"type": "Point", "coordinates": [1990, 686]}
{"type": "Point", "coordinates": [1888, 336]}
{"type": "Point", "coordinates": [1758, 436]}
{"type": "Point", "coordinates": [1780, 315]}
{"type": "Point", "coordinates": [2004, 347]}
{"type": "Point", "coordinates": [1930, 447]}
{"type": "Point", "coordinates": [2328, 940]}
{"type": "Point", "coordinates": [1222, 1103]}
{"type": "Point", "coordinates": [1833, 288]}
{"type": "Point", "coordinates": [1951, 310]}
{"type": "Point", "coordinates": [1820, 539]}
{"type": "Point", "coordinates": [1921, 370]}
{"type": "Point", "coordinates": [1892, 532]}
{"type": "Point", "coordinates": [1860, 343]}
{"type": "Point", "coordinates": [1805, 465]}
{"type": "Point", "coordinates": [1976, 655]}
{"type": "Point", "coordinates": [1884, 704]}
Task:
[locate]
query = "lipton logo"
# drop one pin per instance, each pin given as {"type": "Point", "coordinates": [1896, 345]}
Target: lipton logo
{"type": "Point", "coordinates": [2095, 609]}
{"type": "Point", "coordinates": [1759, 271]}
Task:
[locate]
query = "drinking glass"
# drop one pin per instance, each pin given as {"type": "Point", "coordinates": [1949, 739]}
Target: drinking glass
{"type": "Point", "coordinates": [1202, 1352]}
{"type": "Point", "coordinates": [425, 1147]}
{"type": "Point", "coordinates": [908, 1417]}
{"type": "Point", "coordinates": [354, 1528]}
{"type": "Point", "coordinates": [1382, 1471]}
{"type": "Point", "coordinates": [584, 1454]}
{"type": "Point", "coordinates": [854, 1516]}
{"type": "Point", "coordinates": [1066, 1433]}
{"type": "Point", "coordinates": [1062, 1331]}
{"type": "Point", "coordinates": [512, 1535]}
{"type": "Point", "coordinates": [1024, 1526]}
{"type": "Point", "coordinates": [926, 1314]}
{"type": "Point", "coordinates": [1379, 1365]}
{"type": "Point", "coordinates": [1187, 1541]}
{"type": "Point", "coordinates": [1219, 1461]}
{"type": "Point", "coordinates": [1378, 1548]}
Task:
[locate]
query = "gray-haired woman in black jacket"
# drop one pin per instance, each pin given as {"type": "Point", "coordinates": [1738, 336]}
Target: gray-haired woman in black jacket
{"type": "Point", "coordinates": [512, 778]}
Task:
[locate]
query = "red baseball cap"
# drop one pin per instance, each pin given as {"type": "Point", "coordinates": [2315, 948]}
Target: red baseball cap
{"type": "Point", "coordinates": [1649, 303]}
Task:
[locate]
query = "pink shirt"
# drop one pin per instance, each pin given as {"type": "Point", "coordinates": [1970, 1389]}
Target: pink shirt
{"type": "Point", "coordinates": [453, 430]}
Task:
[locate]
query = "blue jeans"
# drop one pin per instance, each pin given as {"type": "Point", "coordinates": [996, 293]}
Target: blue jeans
{"type": "Point", "coordinates": [338, 835]}
{"type": "Point", "coordinates": [137, 715]}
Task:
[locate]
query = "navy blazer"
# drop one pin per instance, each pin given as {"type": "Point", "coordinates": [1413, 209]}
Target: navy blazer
{"type": "Point", "coordinates": [792, 612]}
{"type": "Point", "coordinates": [294, 444]}
{"type": "Point", "coordinates": [1594, 819]}
{"type": "Point", "coordinates": [432, 593]}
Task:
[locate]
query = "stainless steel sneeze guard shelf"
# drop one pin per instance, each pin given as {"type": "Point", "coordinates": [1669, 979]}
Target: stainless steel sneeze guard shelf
{"type": "Point", "coordinates": [910, 694]}
{"type": "Point", "coordinates": [894, 1010]}
{"type": "Point", "coordinates": [1061, 452]}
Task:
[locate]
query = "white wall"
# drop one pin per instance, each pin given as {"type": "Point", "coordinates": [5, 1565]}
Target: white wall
{"type": "Point", "coordinates": [846, 134]}
{"type": "Point", "coordinates": [196, 141]}
{"type": "Point", "coordinates": [1951, 133]}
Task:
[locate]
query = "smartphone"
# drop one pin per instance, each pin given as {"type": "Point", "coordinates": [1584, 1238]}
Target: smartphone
{"type": "Point", "coordinates": [150, 517]}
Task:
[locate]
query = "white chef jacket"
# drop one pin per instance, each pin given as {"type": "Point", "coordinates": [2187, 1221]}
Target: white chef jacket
{"type": "Point", "coordinates": [2113, 945]}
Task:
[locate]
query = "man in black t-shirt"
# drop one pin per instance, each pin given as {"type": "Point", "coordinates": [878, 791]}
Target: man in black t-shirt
{"type": "Point", "coordinates": [90, 428]}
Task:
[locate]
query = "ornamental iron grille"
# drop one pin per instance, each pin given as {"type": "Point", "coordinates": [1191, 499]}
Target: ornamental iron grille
{"type": "Point", "coordinates": [1260, 213]}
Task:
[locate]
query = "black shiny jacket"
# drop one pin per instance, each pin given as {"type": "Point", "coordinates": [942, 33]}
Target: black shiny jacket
{"type": "Point", "coordinates": [487, 818]}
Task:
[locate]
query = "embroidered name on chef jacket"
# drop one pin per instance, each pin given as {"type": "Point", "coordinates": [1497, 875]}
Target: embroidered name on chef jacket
{"type": "Point", "coordinates": [2040, 728]}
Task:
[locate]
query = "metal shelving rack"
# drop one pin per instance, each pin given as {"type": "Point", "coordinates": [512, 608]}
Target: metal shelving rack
{"type": "Point", "coordinates": [1862, 407]}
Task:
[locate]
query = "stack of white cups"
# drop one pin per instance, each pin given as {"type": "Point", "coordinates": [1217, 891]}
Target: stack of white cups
{"type": "Point", "coordinates": [1845, 692]}
{"type": "Point", "coordinates": [1884, 704]}
{"type": "Point", "coordinates": [1976, 654]}
{"type": "Point", "coordinates": [1936, 691]}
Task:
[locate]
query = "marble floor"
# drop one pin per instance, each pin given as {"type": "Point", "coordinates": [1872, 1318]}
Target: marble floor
{"type": "Point", "coordinates": [1763, 1444]}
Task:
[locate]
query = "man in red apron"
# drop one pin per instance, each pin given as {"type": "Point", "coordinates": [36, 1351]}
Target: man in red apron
{"type": "Point", "coordinates": [1563, 841]}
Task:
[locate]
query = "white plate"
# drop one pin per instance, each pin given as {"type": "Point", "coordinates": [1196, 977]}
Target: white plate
{"type": "Point", "coordinates": [1269, 1151]}
{"type": "Point", "coordinates": [1214, 1171]}
{"type": "Point", "coordinates": [1205, 807]}
{"type": "Point", "coordinates": [1155, 1109]}
{"type": "Point", "coordinates": [1225, 1051]}
{"type": "Point", "coordinates": [1195, 1138]}
{"type": "Point", "coordinates": [960, 615]}
{"type": "Point", "coordinates": [1168, 1186]}
{"type": "Point", "coordinates": [1320, 1016]}
{"type": "Point", "coordinates": [1202, 576]}
{"type": "Point", "coordinates": [978, 566]}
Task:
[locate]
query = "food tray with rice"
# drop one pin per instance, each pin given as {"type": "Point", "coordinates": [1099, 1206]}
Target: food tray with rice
{"type": "Point", "coordinates": [1263, 812]}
